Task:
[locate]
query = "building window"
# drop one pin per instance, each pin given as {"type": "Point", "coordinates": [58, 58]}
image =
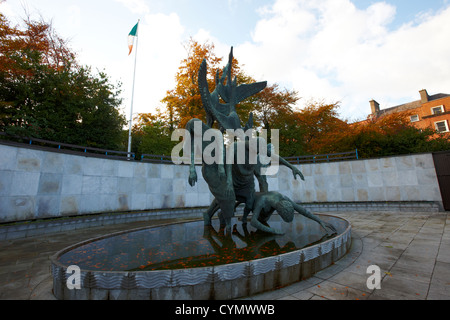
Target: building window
{"type": "Point", "coordinates": [414, 118]}
{"type": "Point", "coordinates": [437, 110]}
{"type": "Point", "coordinates": [441, 126]}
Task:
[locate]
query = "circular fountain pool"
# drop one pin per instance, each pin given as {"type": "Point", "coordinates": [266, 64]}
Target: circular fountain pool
{"type": "Point", "coordinates": [190, 261]}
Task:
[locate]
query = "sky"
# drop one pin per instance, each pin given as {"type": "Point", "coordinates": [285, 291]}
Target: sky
{"type": "Point", "coordinates": [346, 51]}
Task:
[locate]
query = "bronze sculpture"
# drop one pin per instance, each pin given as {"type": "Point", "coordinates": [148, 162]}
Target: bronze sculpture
{"type": "Point", "coordinates": [231, 180]}
{"type": "Point", "coordinates": [267, 202]}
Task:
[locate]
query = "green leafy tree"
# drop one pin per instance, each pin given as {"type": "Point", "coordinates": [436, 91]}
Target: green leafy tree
{"type": "Point", "coordinates": [45, 93]}
{"type": "Point", "coordinates": [152, 134]}
{"type": "Point", "coordinates": [291, 134]}
{"type": "Point", "coordinates": [391, 135]}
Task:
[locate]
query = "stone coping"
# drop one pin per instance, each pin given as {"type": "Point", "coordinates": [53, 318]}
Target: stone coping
{"type": "Point", "coordinates": [25, 229]}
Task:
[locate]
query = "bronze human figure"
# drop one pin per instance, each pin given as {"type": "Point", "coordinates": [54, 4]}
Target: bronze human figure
{"type": "Point", "coordinates": [267, 202]}
{"type": "Point", "coordinates": [231, 181]}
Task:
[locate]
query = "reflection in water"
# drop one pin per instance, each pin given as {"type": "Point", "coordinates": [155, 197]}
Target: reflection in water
{"type": "Point", "coordinates": [191, 245]}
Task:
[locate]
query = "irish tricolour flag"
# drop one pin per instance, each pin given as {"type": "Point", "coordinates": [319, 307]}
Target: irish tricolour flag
{"type": "Point", "coordinates": [131, 36]}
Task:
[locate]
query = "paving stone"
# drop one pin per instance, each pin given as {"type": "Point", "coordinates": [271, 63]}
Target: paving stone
{"type": "Point", "coordinates": [439, 290]}
{"type": "Point", "coordinates": [441, 273]}
{"type": "Point", "coordinates": [288, 298]}
{"type": "Point", "coordinates": [330, 271]}
{"type": "Point", "coordinates": [388, 251]}
{"type": "Point", "coordinates": [384, 261]}
{"type": "Point", "coordinates": [303, 295]}
{"type": "Point", "coordinates": [416, 263]}
{"type": "Point", "coordinates": [403, 288]}
{"type": "Point", "coordinates": [271, 295]}
{"type": "Point", "coordinates": [411, 248]}
{"type": "Point", "coordinates": [302, 285]}
{"type": "Point", "coordinates": [334, 291]}
{"type": "Point", "coordinates": [353, 280]}
{"type": "Point", "coordinates": [395, 244]}
{"type": "Point", "coordinates": [410, 274]}
{"type": "Point", "coordinates": [444, 253]}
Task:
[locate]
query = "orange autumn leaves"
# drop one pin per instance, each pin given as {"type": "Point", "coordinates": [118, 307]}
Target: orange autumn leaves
{"type": "Point", "coordinates": [38, 41]}
{"type": "Point", "coordinates": [314, 129]}
{"type": "Point", "coordinates": [318, 129]}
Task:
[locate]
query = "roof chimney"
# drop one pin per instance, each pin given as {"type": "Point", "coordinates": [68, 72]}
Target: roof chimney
{"type": "Point", "coordinates": [423, 96]}
{"type": "Point", "coordinates": [374, 106]}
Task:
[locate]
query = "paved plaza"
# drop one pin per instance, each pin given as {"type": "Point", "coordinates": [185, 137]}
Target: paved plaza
{"type": "Point", "coordinates": [411, 249]}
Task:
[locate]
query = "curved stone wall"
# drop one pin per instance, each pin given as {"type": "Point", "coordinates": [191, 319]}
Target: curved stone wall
{"type": "Point", "coordinates": [214, 282]}
{"type": "Point", "coordinates": [36, 184]}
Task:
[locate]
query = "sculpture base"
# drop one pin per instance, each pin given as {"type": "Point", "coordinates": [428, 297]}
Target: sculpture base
{"type": "Point", "coordinates": [187, 261]}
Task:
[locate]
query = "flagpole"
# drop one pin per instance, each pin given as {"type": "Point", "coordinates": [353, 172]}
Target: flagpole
{"type": "Point", "coordinates": [132, 92]}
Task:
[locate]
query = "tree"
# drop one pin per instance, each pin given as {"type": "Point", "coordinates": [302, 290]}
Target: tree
{"type": "Point", "coordinates": [321, 127]}
{"type": "Point", "coordinates": [392, 135]}
{"type": "Point", "coordinates": [316, 129]}
{"type": "Point", "coordinates": [291, 134]}
{"type": "Point", "coordinates": [45, 93]}
{"type": "Point", "coordinates": [272, 102]}
{"type": "Point", "coordinates": [184, 102]}
{"type": "Point", "coordinates": [152, 135]}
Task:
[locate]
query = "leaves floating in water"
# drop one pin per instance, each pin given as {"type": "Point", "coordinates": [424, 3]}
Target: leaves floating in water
{"type": "Point", "coordinates": [188, 246]}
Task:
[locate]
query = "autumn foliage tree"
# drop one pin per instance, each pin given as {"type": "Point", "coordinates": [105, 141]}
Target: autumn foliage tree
{"type": "Point", "coordinates": [184, 102]}
{"type": "Point", "coordinates": [318, 129]}
{"type": "Point", "coordinates": [322, 128]}
{"type": "Point", "coordinates": [45, 93]}
{"type": "Point", "coordinates": [392, 134]}
{"type": "Point", "coordinates": [314, 129]}
{"type": "Point", "coordinates": [273, 108]}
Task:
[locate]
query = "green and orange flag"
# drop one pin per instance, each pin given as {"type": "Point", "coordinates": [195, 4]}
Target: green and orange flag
{"type": "Point", "coordinates": [131, 36]}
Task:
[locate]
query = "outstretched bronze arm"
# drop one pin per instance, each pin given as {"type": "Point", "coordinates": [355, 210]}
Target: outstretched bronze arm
{"type": "Point", "coordinates": [309, 215]}
{"type": "Point", "coordinates": [296, 172]}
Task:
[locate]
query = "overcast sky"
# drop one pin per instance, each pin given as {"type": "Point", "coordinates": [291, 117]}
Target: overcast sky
{"type": "Point", "coordinates": [350, 51]}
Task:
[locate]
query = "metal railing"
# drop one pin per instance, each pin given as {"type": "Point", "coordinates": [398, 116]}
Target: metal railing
{"type": "Point", "coordinates": [69, 147]}
{"type": "Point", "coordinates": [324, 157]}
{"type": "Point", "coordinates": [154, 158]}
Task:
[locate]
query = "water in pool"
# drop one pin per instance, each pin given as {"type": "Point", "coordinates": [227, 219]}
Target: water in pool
{"type": "Point", "coordinates": [191, 245]}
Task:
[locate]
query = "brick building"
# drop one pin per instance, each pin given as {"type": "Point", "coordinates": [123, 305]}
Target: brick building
{"type": "Point", "coordinates": [430, 111]}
